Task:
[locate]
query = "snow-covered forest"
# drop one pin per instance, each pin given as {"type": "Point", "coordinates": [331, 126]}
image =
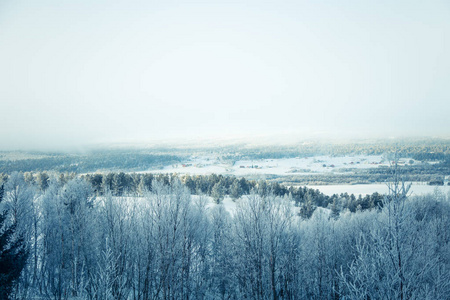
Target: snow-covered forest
{"type": "Point", "coordinates": [184, 150]}
{"type": "Point", "coordinates": [167, 244]}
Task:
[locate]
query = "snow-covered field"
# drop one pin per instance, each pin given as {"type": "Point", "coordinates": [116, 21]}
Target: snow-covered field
{"type": "Point", "coordinates": [227, 203]}
{"type": "Point", "coordinates": [301, 166]}
{"type": "Point", "coordinates": [230, 205]}
{"type": "Point", "coordinates": [363, 189]}
{"type": "Point", "coordinates": [311, 165]}
{"type": "Point", "coordinates": [284, 166]}
{"type": "Point", "coordinates": [416, 189]}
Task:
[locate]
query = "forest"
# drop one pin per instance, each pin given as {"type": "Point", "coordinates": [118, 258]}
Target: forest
{"type": "Point", "coordinates": [169, 239]}
{"type": "Point", "coordinates": [132, 159]}
{"type": "Point", "coordinates": [75, 162]}
{"type": "Point", "coordinates": [224, 150]}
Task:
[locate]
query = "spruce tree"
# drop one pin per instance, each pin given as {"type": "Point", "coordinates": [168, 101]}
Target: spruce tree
{"type": "Point", "coordinates": [235, 190]}
{"type": "Point", "coordinates": [13, 254]}
{"type": "Point", "coordinates": [218, 191]}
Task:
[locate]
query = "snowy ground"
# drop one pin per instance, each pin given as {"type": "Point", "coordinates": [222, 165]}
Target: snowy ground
{"type": "Point", "coordinates": [416, 189]}
{"type": "Point", "coordinates": [285, 166]}
{"type": "Point", "coordinates": [230, 205]}
{"type": "Point", "coordinates": [300, 166]}
{"type": "Point", "coordinates": [311, 165]}
{"type": "Point", "coordinates": [227, 202]}
{"type": "Point", "coordinates": [363, 189]}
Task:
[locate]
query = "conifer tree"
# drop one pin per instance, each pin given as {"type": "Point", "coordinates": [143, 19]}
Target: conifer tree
{"type": "Point", "coordinates": [13, 254]}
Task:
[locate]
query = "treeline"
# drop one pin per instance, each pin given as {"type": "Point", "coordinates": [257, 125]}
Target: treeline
{"type": "Point", "coordinates": [432, 156]}
{"type": "Point", "coordinates": [423, 150]}
{"type": "Point", "coordinates": [91, 162]}
{"type": "Point", "coordinates": [215, 186]}
{"type": "Point", "coordinates": [219, 186]}
{"type": "Point", "coordinates": [167, 244]}
{"type": "Point", "coordinates": [411, 173]}
{"type": "Point", "coordinates": [143, 159]}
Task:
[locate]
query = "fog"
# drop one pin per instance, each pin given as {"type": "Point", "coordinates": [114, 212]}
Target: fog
{"type": "Point", "coordinates": [76, 73]}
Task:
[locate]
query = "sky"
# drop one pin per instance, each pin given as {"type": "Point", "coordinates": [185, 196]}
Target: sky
{"type": "Point", "coordinates": [83, 72]}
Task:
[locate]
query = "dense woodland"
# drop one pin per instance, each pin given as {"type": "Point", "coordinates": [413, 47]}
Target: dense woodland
{"type": "Point", "coordinates": [82, 238]}
{"type": "Point", "coordinates": [433, 174]}
{"type": "Point", "coordinates": [215, 186]}
{"type": "Point", "coordinates": [141, 159]}
{"type": "Point", "coordinates": [94, 160]}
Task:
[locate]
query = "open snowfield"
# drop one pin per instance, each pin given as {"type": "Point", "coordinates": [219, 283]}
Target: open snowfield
{"type": "Point", "coordinates": [310, 165]}
{"type": "Point", "coordinates": [363, 189]}
{"type": "Point", "coordinates": [284, 166]}
{"type": "Point", "coordinates": [302, 166]}
{"type": "Point", "coordinates": [227, 203]}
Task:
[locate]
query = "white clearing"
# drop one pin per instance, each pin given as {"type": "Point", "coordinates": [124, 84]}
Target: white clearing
{"type": "Point", "coordinates": [283, 166]}
{"type": "Point", "coordinates": [364, 189]}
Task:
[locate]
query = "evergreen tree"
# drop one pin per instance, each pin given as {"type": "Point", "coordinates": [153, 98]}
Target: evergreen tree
{"type": "Point", "coordinates": [13, 254]}
{"type": "Point", "coordinates": [218, 192]}
{"type": "Point", "coordinates": [42, 180]}
{"type": "Point", "coordinates": [107, 182]}
{"type": "Point", "coordinates": [236, 190]}
{"type": "Point", "coordinates": [141, 188]}
{"type": "Point", "coordinates": [307, 208]}
{"type": "Point", "coordinates": [96, 181]}
{"type": "Point", "coordinates": [334, 210]}
{"type": "Point", "coordinates": [119, 183]}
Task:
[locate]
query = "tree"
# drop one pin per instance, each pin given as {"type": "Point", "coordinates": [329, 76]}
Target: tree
{"type": "Point", "coordinates": [107, 182]}
{"type": "Point", "coordinates": [307, 208]}
{"type": "Point", "coordinates": [399, 255]}
{"type": "Point", "coordinates": [13, 253]}
{"type": "Point", "coordinates": [20, 202]}
{"type": "Point", "coordinates": [42, 180]}
{"type": "Point", "coordinates": [19, 197]}
{"type": "Point", "coordinates": [109, 269]}
{"type": "Point", "coordinates": [76, 197]}
{"type": "Point", "coordinates": [236, 190]}
{"type": "Point", "coordinates": [218, 191]}
{"type": "Point", "coordinates": [223, 285]}
{"type": "Point", "coordinates": [334, 210]}
{"type": "Point", "coordinates": [54, 272]}
{"type": "Point", "coordinates": [96, 181]}
{"type": "Point", "coordinates": [141, 188]}
{"type": "Point", "coordinates": [119, 183]}
{"type": "Point", "coordinates": [172, 218]}
{"type": "Point", "coordinates": [264, 247]}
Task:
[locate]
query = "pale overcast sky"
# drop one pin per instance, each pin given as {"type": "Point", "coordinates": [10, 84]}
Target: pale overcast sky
{"type": "Point", "coordinates": [80, 72]}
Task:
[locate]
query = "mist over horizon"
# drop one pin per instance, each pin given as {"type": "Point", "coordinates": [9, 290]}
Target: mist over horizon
{"type": "Point", "coordinates": [256, 140]}
{"type": "Point", "coordinates": [81, 74]}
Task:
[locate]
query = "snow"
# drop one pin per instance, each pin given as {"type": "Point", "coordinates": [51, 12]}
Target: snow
{"type": "Point", "coordinates": [363, 189]}
{"type": "Point", "coordinates": [197, 166]}
{"type": "Point", "coordinates": [310, 165]}
{"type": "Point", "coordinates": [284, 166]}
{"type": "Point", "coordinates": [227, 202]}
